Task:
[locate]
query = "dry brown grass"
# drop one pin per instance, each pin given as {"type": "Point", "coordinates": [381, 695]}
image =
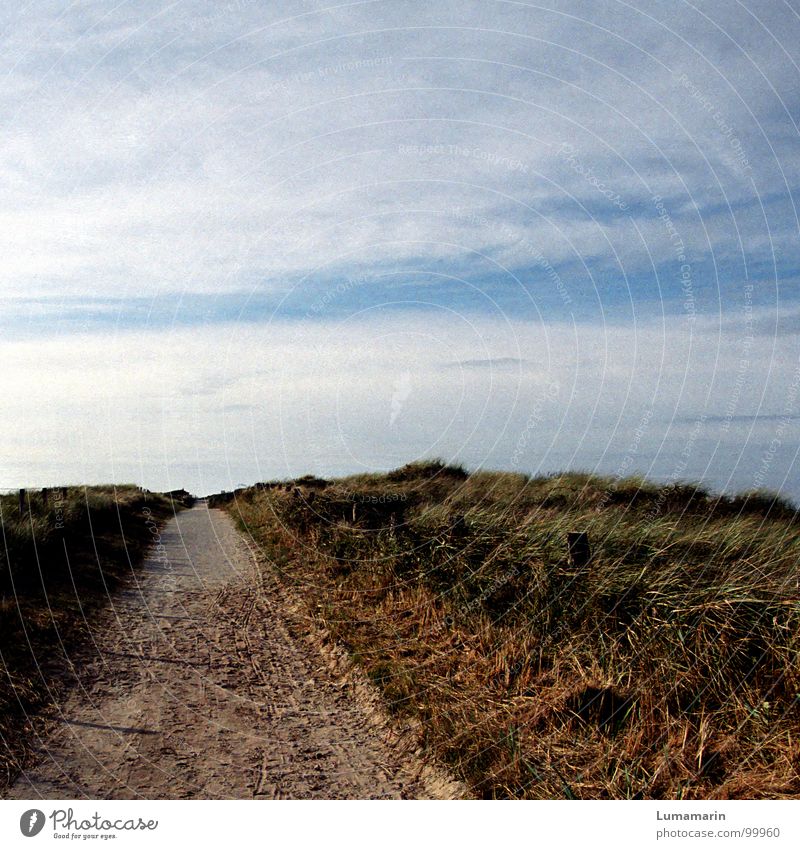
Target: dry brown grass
{"type": "Point", "coordinates": [667, 668]}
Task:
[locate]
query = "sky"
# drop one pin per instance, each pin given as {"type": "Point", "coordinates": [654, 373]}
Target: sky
{"type": "Point", "coordinates": [247, 240]}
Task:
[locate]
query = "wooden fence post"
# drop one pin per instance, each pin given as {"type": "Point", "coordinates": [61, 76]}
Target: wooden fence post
{"type": "Point", "coordinates": [580, 552]}
{"type": "Point", "coordinates": [21, 501]}
{"type": "Point", "coordinates": [45, 494]}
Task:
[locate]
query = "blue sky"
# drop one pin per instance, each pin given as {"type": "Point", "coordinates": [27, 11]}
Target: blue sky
{"type": "Point", "coordinates": [245, 239]}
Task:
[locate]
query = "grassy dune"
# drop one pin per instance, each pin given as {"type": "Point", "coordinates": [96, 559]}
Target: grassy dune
{"type": "Point", "coordinates": [666, 668]}
{"type": "Point", "coordinates": [58, 563]}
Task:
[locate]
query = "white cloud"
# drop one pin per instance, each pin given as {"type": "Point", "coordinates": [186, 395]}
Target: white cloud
{"type": "Point", "coordinates": [193, 148]}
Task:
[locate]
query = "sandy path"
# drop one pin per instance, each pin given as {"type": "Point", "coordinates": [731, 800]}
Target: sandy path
{"type": "Point", "coordinates": [201, 685]}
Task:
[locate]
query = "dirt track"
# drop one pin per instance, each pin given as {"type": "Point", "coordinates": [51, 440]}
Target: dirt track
{"type": "Point", "coordinates": [203, 683]}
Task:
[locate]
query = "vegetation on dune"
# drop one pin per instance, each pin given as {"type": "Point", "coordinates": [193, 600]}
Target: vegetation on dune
{"type": "Point", "coordinates": [61, 557]}
{"type": "Point", "coordinates": [665, 668]}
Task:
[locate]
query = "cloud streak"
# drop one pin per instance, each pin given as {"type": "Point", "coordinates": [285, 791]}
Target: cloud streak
{"type": "Point", "coordinates": [236, 148]}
